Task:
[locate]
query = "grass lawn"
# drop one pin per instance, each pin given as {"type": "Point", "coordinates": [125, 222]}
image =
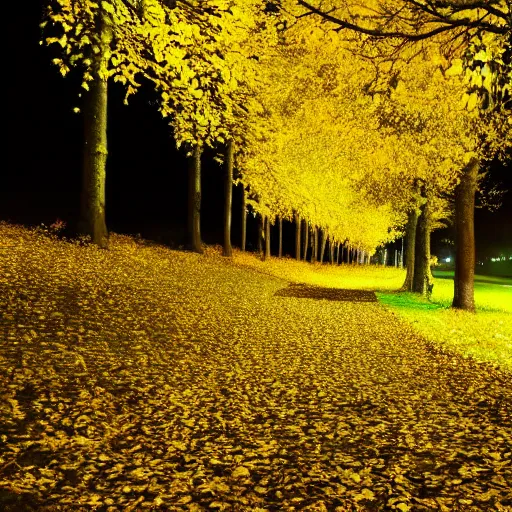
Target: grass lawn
{"type": "Point", "coordinates": [486, 335]}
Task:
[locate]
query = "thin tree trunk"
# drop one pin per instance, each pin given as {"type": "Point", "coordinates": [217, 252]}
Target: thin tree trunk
{"type": "Point", "coordinates": [92, 213]}
{"type": "Point", "coordinates": [194, 201]}
{"type": "Point", "coordinates": [342, 247]}
{"type": "Point", "coordinates": [244, 218]}
{"type": "Point", "coordinates": [315, 245]}
{"type": "Point", "coordinates": [267, 237]}
{"type": "Point", "coordinates": [322, 248]}
{"type": "Point", "coordinates": [338, 253]}
{"type": "Point", "coordinates": [306, 239]}
{"type": "Point", "coordinates": [261, 221]}
{"type": "Point", "coordinates": [410, 236]}
{"type": "Point", "coordinates": [228, 198]}
{"type": "Point", "coordinates": [464, 294]}
{"type": "Point", "coordinates": [297, 236]}
{"type": "Point", "coordinates": [331, 250]}
{"type": "Point", "coordinates": [421, 278]}
{"type": "Point", "coordinates": [280, 236]}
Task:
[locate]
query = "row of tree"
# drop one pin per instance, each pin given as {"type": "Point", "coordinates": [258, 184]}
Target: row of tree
{"type": "Point", "coordinates": [357, 133]}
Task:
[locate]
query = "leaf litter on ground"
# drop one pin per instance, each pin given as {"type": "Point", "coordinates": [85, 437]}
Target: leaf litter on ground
{"type": "Point", "coordinates": [141, 378]}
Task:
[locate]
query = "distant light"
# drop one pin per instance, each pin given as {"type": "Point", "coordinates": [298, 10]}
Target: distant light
{"type": "Point", "coordinates": [448, 260]}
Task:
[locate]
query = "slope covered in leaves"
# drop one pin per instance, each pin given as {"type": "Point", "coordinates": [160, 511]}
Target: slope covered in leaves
{"type": "Point", "coordinates": [143, 378]}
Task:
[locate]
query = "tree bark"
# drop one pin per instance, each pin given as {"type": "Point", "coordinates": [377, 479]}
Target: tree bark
{"type": "Point", "coordinates": [267, 237]}
{"type": "Point", "coordinates": [194, 201]}
{"type": "Point", "coordinates": [410, 236]}
{"type": "Point", "coordinates": [297, 236]}
{"type": "Point", "coordinates": [464, 294]}
{"type": "Point", "coordinates": [92, 215]}
{"type": "Point", "coordinates": [421, 278]}
{"type": "Point", "coordinates": [261, 221]}
{"type": "Point", "coordinates": [280, 236]}
{"type": "Point", "coordinates": [228, 198]}
{"type": "Point", "coordinates": [315, 246]}
{"type": "Point", "coordinates": [244, 218]}
{"type": "Point", "coordinates": [322, 247]}
{"type": "Point", "coordinates": [331, 251]}
{"type": "Point", "coordinates": [306, 239]}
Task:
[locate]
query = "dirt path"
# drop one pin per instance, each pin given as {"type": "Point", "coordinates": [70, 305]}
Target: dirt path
{"type": "Point", "coordinates": [141, 377]}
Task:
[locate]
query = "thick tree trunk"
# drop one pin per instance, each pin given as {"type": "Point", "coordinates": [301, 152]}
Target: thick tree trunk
{"type": "Point", "coordinates": [297, 236]}
{"type": "Point", "coordinates": [464, 294]}
{"type": "Point", "coordinates": [315, 245]}
{"type": "Point", "coordinates": [92, 221]}
{"type": "Point", "coordinates": [410, 236]}
{"type": "Point", "coordinates": [421, 278]}
{"type": "Point", "coordinates": [280, 236]}
{"type": "Point", "coordinates": [261, 221]}
{"type": "Point", "coordinates": [244, 218]}
{"type": "Point", "coordinates": [228, 198]}
{"type": "Point", "coordinates": [306, 239]}
{"type": "Point", "coordinates": [194, 201]}
{"type": "Point", "coordinates": [322, 246]}
{"type": "Point", "coordinates": [267, 237]}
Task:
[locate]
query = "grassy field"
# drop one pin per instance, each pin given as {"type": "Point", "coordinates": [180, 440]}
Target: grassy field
{"type": "Point", "coordinates": [486, 335]}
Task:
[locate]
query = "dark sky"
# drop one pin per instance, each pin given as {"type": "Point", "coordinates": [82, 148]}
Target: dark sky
{"type": "Point", "coordinates": [146, 183]}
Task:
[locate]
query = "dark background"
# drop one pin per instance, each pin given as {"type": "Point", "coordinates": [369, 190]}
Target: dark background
{"type": "Point", "coordinates": [146, 178]}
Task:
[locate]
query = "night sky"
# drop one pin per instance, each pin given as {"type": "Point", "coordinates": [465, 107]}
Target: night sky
{"type": "Point", "coordinates": [146, 178]}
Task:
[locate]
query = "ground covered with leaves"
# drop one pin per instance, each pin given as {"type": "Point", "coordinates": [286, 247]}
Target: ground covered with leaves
{"type": "Point", "coordinates": [141, 378]}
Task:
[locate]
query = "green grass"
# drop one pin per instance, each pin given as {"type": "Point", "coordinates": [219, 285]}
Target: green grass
{"type": "Point", "coordinates": [485, 335]}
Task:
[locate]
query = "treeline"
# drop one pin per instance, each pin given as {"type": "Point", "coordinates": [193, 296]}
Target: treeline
{"type": "Point", "coordinates": [352, 139]}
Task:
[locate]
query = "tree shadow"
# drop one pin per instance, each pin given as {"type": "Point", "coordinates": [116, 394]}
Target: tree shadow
{"type": "Point", "coordinates": [303, 291]}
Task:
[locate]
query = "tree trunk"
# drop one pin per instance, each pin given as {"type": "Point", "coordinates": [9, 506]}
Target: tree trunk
{"type": "Point", "coordinates": [297, 236]}
{"type": "Point", "coordinates": [342, 248]}
{"type": "Point", "coordinates": [331, 250]}
{"type": "Point", "coordinates": [194, 201]}
{"type": "Point", "coordinates": [410, 236]}
{"type": "Point", "coordinates": [228, 198]}
{"type": "Point", "coordinates": [92, 213]}
{"type": "Point", "coordinates": [261, 221]}
{"type": "Point", "coordinates": [421, 278]}
{"type": "Point", "coordinates": [267, 237]}
{"type": "Point", "coordinates": [306, 239]}
{"type": "Point", "coordinates": [338, 254]}
{"type": "Point", "coordinates": [315, 245]}
{"type": "Point", "coordinates": [244, 218]}
{"type": "Point", "coordinates": [464, 295]}
{"type": "Point", "coordinates": [322, 248]}
{"type": "Point", "coordinates": [280, 236]}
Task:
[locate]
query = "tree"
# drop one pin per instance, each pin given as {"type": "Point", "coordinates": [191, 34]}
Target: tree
{"type": "Point", "coordinates": [465, 238]}
{"type": "Point", "coordinates": [476, 37]}
{"type": "Point", "coordinates": [228, 198]}
{"type": "Point", "coordinates": [86, 32]}
{"type": "Point", "coordinates": [267, 237]}
{"type": "Point", "coordinates": [243, 235]}
{"type": "Point", "coordinates": [93, 209]}
{"type": "Point", "coordinates": [297, 236]}
{"type": "Point", "coordinates": [194, 201]}
{"type": "Point", "coordinates": [306, 239]}
{"type": "Point", "coordinates": [280, 253]}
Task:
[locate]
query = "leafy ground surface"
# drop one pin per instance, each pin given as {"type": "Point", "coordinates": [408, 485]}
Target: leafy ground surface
{"type": "Point", "coordinates": [141, 378]}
